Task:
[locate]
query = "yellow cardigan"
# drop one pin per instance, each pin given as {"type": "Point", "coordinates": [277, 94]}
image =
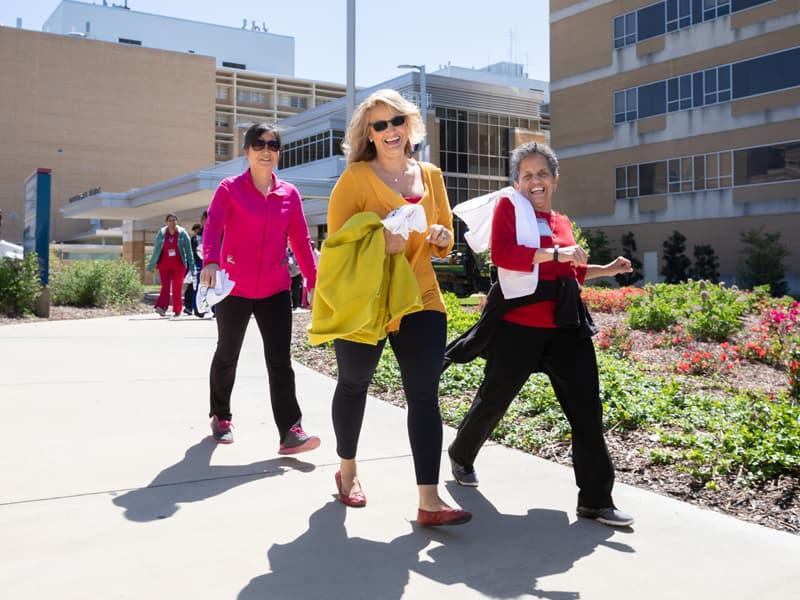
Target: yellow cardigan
{"type": "Point", "coordinates": [362, 292]}
{"type": "Point", "coordinates": [359, 189]}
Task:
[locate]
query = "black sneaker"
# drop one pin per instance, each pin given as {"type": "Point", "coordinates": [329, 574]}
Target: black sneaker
{"type": "Point", "coordinates": [607, 516]}
{"type": "Point", "coordinates": [464, 475]}
{"type": "Point", "coordinates": [297, 440]}
{"type": "Point", "coordinates": [221, 431]}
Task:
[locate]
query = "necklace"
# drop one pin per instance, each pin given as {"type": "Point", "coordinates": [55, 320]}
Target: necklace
{"type": "Point", "coordinates": [390, 175]}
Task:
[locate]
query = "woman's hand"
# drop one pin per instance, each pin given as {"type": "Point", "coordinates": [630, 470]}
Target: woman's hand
{"type": "Point", "coordinates": [573, 254]}
{"type": "Point", "coordinates": [310, 297]}
{"type": "Point", "coordinates": [439, 236]}
{"type": "Point", "coordinates": [619, 265]}
{"type": "Point", "coordinates": [395, 242]}
{"type": "Point", "coordinates": [208, 276]}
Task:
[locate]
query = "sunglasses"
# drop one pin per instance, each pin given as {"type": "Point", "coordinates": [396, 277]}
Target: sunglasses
{"type": "Point", "coordinates": [394, 122]}
{"type": "Point", "coordinates": [259, 145]}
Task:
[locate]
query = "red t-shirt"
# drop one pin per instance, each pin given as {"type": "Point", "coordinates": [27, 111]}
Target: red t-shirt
{"type": "Point", "coordinates": [554, 228]}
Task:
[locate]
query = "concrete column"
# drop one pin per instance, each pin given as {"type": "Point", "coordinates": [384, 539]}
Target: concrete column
{"type": "Point", "coordinates": [133, 249]}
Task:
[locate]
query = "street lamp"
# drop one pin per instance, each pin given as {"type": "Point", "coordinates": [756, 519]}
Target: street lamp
{"type": "Point", "coordinates": [423, 105]}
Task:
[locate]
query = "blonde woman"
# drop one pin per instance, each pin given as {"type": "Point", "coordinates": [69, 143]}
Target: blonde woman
{"type": "Point", "coordinates": [382, 175]}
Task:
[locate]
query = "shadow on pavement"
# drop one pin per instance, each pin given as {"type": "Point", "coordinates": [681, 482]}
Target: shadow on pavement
{"type": "Point", "coordinates": [497, 555]}
{"type": "Point", "coordinates": [193, 478]}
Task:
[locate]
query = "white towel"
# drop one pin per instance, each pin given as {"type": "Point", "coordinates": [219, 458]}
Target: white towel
{"type": "Point", "coordinates": [477, 213]}
{"type": "Point", "coordinates": [521, 283]}
{"type": "Point", "coordinates": [406, 219]}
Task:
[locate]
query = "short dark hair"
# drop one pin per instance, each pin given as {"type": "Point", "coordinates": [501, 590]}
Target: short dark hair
{"type": "Point", "coordinates": [525, 150]}
{"type": "Point", "coordinates": [197, 227]}
{"type": "Point", "coordinates": [255, 132]}
{"type": "Point", "coordinates": [170, 215]}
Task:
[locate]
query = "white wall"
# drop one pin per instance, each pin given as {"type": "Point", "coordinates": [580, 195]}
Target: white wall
{"type": "Point", "coordinates": [258, 51]}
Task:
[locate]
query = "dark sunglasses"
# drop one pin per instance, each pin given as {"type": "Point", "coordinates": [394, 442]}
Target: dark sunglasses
{"type": "Point", "coordinates": [261, 144]}
{"type": "Point", "coordinates": [394, 122]}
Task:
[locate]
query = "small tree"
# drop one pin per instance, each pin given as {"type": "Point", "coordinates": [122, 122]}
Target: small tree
{"type": "Point", "coordinates": [628, 248]}
{"type": "Point", "coordinates": [706, 264]}
{"type": "Point", "coordinates": [762, 261]}
{"type": "Point", "coordinates": [675, 261]}
{"type": "Point", "coordinates": [599, 246]}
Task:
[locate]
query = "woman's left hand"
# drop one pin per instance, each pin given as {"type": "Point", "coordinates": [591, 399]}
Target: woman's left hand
{"type": "Point", "coordinates": [439, 236]}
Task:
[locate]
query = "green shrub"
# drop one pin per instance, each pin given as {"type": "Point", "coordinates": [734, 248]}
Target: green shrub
{"type": "Point", "coordinates": [97, 283]}
{"type": "Point", "coordinates": [19, 285]}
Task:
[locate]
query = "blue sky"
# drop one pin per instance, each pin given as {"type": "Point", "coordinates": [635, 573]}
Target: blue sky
{"type": "Point", "coordinates": [465, 33]}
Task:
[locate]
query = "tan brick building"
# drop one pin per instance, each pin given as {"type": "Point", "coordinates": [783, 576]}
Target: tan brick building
{"type": "Point", "coordinates": [100, 115]}
{"type": "Point", "coordinates": [679, 115]}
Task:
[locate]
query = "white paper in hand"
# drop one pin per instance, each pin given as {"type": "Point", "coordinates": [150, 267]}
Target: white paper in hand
{"type": "Point", "coordinates": [406, 219]}
{"type": "Point", "coordinates": [208, 297]}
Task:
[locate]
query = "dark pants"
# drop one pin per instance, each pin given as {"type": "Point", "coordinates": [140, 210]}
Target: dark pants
{"type": "Point", "coordinates": [569, 361]}
{"type": "Point", "coordinates": [297, 291]}
{"type": "Point", "coordinates": [419, 348]}
{"type": "Point", "coordinates": [274, 319]}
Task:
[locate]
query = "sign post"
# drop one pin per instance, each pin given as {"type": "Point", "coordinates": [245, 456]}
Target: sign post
{"type": "Point", "coordinates": [36, 233]}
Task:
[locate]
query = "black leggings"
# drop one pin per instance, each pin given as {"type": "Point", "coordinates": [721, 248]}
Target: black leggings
{"type": "Point", "coordinates": [419, 348]}
{"type": "Point", "coordinates": [274, 319]}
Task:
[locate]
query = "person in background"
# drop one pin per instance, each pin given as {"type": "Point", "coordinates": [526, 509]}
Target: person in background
{"type": "Point", "coordinates": [249, 219]}
{"type": "Point", "coordinates": [535, 251]}
{"type": "Point", "coordinates": [306, 300]}
{"type": "Point", "coordinates": [381, 176]}
{"type": "Point", "coordinates": [189, 304]}
{"type": "Point", "coordinates": [172, 254]}
{"type": "Point", "coordinates": [297, 279]}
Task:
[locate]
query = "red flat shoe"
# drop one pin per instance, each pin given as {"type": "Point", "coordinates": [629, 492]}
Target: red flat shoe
{"type": "Point", "coordinates": [355, 499]}
{"type": "Point", "coordinates": [448, 516]}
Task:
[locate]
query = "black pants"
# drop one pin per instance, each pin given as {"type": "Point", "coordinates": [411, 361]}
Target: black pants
{"type": "Point", "coordinates": [297, 291]}
{"type": "Point", "coordinates": [274, 319]}
{"type": "Point", "coordinates": [419, 348]}
{"type": "Point", "coordinates": [569, 361]}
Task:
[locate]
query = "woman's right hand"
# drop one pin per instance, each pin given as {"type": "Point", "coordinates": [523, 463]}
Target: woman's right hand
{"type": "Point", "coordinates": [573, 254]}
{"type": "Point", "coordinates": [395, 242]}
{"type": "Point", "coordinates": [208, 276]}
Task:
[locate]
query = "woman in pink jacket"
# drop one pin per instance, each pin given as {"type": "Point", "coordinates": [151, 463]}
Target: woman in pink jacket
{"type": "Point", "coordinates": [249, 220]}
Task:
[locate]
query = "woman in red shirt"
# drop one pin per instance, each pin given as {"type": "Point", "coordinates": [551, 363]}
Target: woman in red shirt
{"type": "Point", "coordinates": [534, 250]}
{"type": "Point", "coordinates": [172, 253]}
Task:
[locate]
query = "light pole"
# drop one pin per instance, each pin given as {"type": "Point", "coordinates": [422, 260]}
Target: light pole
{"type": "Point", "coordinates": [423, 106]}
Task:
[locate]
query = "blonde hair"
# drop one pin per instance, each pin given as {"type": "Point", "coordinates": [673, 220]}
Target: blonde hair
{"type": "Point", "coordinates": [356, 144]}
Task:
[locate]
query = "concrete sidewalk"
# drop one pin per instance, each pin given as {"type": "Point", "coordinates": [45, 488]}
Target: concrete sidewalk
{"type": "Point", "coordinates": [111, 489]}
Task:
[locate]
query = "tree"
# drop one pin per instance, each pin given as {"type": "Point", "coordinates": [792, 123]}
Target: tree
{"type": "Point", "coordinates": [599, 247]}
{"type": "Point", "coordinates": [628, 248]}
{"type": "Point", "coordinates": [762, 261]}
{"type": "Point", "coordinates": [675, 261]}
{"type": "Point", "coordinates": [706, 264]}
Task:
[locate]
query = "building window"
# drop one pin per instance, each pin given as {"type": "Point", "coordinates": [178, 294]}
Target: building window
{"type": "Point", "coordinates": [627, 182]}
{"type": "Point", "coordinates": [312, 148]}
{"type": "Point", "coordinates": [625, 29]}
{"type": "Point", "coordinates": [715, 8]}
{"type": "Point", "coordinates": [766, 73]}
{"type": "Point", "coordinates": [251, 96]}
{"type": "Point", "coordinates": [671, 15]}
{"type": "Point", "coordinates": [767, 164]}
{"type": "Point", "coordinates": [679, 93]}
{"type": "Point", "coordinates": [625, 103]}
{"type": "Point", "coordinates": [221, 150]}
{"type": "Point", "coordinates": [759, 75]}
{"type": "Point", "coordinates": [679, 14]}
{"type": "Point", "coordinates": [222, 92]}
{"type": "Point", "coordinates": [222, 120]}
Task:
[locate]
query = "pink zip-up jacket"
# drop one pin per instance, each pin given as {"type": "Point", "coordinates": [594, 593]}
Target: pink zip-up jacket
{"type": "Point", "coordinates": [246, 234]}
